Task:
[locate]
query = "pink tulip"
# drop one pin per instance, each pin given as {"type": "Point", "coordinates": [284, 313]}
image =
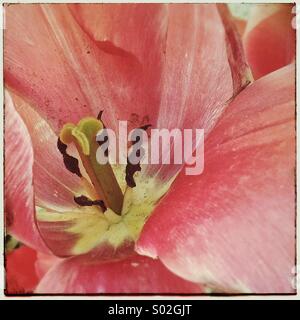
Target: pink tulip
{"type": "Point", "coordinates": [269, 39]}
{"type": "Point", "coordinates": [230, 229]}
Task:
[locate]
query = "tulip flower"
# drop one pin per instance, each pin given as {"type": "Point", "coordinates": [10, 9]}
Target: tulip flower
{"type": "Point", "coordinates": [230, 229]}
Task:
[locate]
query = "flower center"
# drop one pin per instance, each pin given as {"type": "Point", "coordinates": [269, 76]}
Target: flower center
{"type": "Point", "coordinates": [113, 205]}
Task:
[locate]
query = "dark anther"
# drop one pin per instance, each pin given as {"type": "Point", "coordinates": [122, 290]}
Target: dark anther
{"type": "Point", "coordinates": [86, 202]}
{"type": "Point", "coordinates": [100, 115]}
{"type": "Point", "coordinates": [70, 162]}
{"type": "Point", "coordinates": [61, 147]}
{"type": "Point", "coordinates": [145, 127]}
{"type": "Point", "coordinates": [131, 169]}
{"type": "Point", "coordinates": [101, 204]}
{"type": "Point", "coordinates": [83, 201]}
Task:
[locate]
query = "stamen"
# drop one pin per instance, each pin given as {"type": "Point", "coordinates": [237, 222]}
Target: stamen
{"type": "Point", "coordinates": [131, 169]}
{"type": "Point", "coordinates": [70, 162]}
{"type": "Point", "coordinates": [99, 117]}
{"type": "Point", "coordinates": [101, 175]}
{"type": "Point", "coordinates": [85, 201]}
{"type": "Point", "coordinates": [61, 147]}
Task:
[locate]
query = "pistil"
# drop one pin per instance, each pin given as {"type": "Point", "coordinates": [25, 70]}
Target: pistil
{"type": "Point", "coordinates": [83, 136]}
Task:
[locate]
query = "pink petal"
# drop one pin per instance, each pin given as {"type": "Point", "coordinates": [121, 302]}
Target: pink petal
{"type": "Point", "coordinates": [240, 25]}
{"type": "Point", "coordinates": [124, 26]}
{"type": "Point", "coordinates": [270, 40]}
{"type": "Point", "coordinates": [39, 69]}
{"type": "Point", "coordinates": [200, 75]}
{"type": "Point", "coordinates": [92, 65]}
{"type": "Point", "coordinates": [45, 262]}
{"type": "Point", "coordinates": [19, 197]}
{"type": "Point", "coordinates": [65, 74]}
{"type": "Point", "coordinates": [132, 29]}
{"type": "Point", "coordinates": [24, 268]}
{"type": "Point", "coordinates": [134, 275]}
{"type": "Point", "coordinates": [20, 274]}
{"type": "Point", "coordinates": [54, 185]}
{"type": "Point", "coordinates": [204, 69]}
{"type": "Point", "coordinates": [233, 227]}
